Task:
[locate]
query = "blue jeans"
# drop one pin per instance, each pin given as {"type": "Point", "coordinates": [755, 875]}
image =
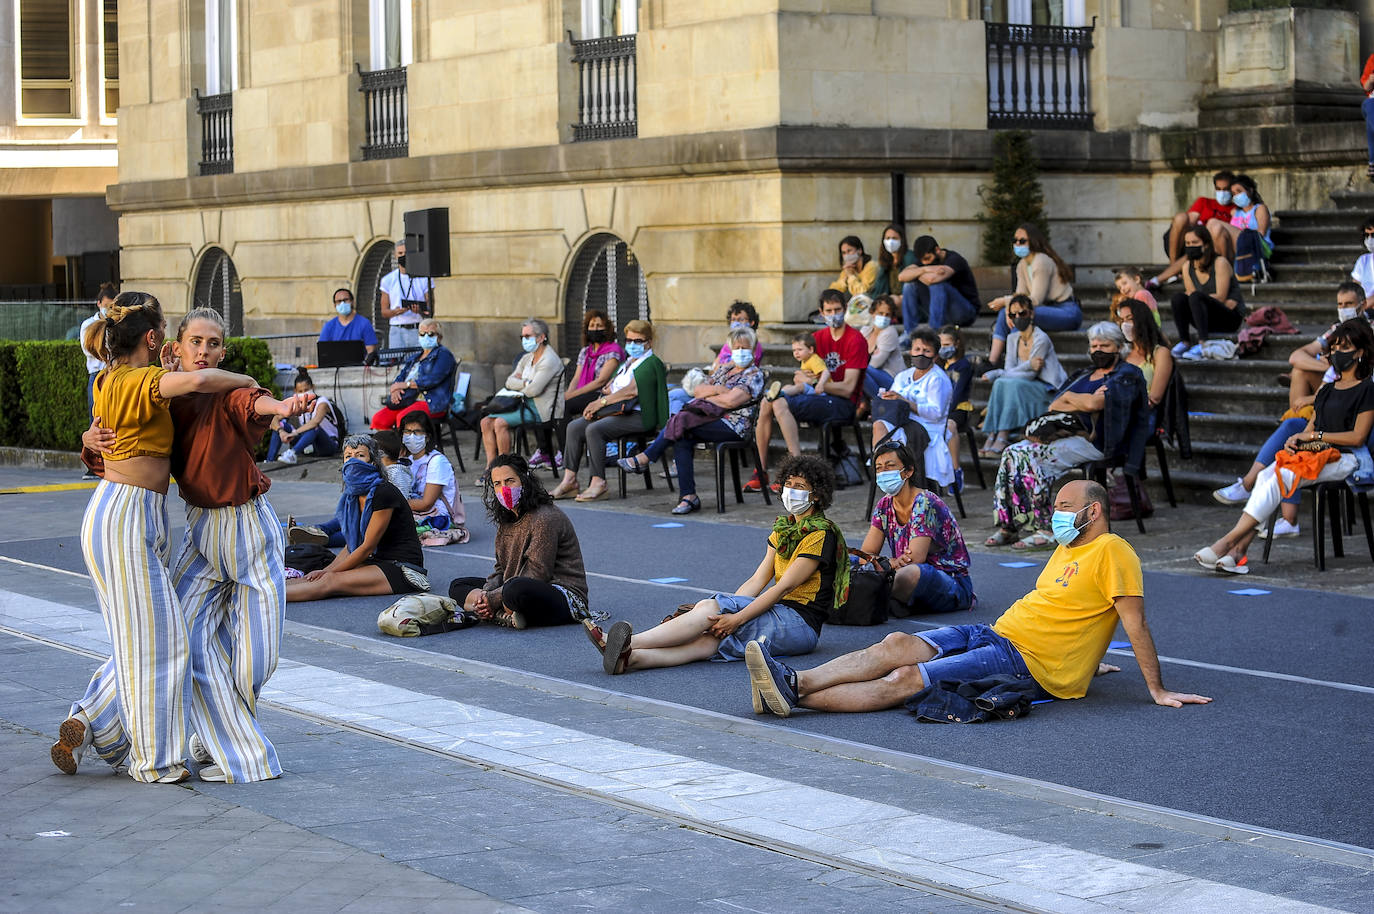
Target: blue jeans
{"type": "Point", "coordinates": [1367, 106]}
{"type": "Point", "coordinates": [967, 653]}
{"type": "Point", "coordinates": [875, 378]}
{"type": "Point", "coordinates": [1287, 429]}
{"type": "Point", "coordinates": [939, 591]}
{"type": "Point", "coordinates": [936, 304]}
{"type": "Point", "coordinates": [781, 629]}
{"type": "Point", "coordinates": [1049, 317]}
{"type": "Point", "coordinates": [684, 451]}
{"type": "Point", "coordinates": [334, 530]}
{"type": "Point", "coordinates": [324, 445]}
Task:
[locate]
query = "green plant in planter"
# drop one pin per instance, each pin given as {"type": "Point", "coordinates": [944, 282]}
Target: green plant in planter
{"type": "Point", "coordinates": [1014, 197]}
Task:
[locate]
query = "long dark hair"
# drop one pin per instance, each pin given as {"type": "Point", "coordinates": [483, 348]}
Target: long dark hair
{"type": "Point", "coordinates": [1209, 251]}
{"type": "Point", "coordinates": [1039, 244]}
{"type": "Point", "coordinates": [854, 242]}
{"type": "Point", "coordinates": [1248, 183]}
{"type": "Point", "coordinates": [886, 260]}
{"type": "Point", "coordinates": [532, 492]}
{"type": "Point", "coordinates": [1143, 327]}
{"type": "Point", "coordinates": [1357, 333]}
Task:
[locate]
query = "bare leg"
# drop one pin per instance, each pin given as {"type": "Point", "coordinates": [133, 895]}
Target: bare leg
{"type": "Point", "coordinates": [1176, 230]}
{"type": "Point", "coordinates": [703, 648]}
{"type": "Point", "coordinates": [1238, 538]}
{"type": "Point", "coordinates": [366, 581]}
{"type": "Point", "coordinates": [489, 445]}
{"type": "Point", "coordinates": [904, 583]}
{"type": "Point", "coordinates": [503, 442]}
{"type": "Point", "coordinates": [880, 428]}
{"type": "Point", "coordinates": [788, 426]}
{"type": "Point", "coordinates": [763, 430]}
{"type": "Point", "coordinates": [953, 442]}
{"type": "Point", "coordinates": [896, 650]}
{"type": "Point", "coordinates": [1302, 384]}
{"type": "Point", "coordinates": [876, 695]}
{"type": "Point", "coordinates": [1248, 480]}
{"type": "Point", "coordinates": [679, 630]}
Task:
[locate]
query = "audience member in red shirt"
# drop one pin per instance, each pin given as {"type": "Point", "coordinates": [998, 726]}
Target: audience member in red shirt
{"type": "Point", "coordinates": [1203, 209]}
{"type": "Point", "coordinates": [838, 390]}
{"type": "Point", "coordinates": [1367, 106]}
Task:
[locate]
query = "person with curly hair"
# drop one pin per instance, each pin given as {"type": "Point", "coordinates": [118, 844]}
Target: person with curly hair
{"type": "Point", "coordinates": [539, 578]}
{"type": "Point", "coordinates": [804, 575]}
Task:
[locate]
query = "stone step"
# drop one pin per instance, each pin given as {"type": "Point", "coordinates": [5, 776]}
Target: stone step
{"type": "Point", "coordinates": [1316, 234]}
{"type": "Point", "coordinates": [1318, 218]}
{"type": "Point", "coordinates": [1360, 200]}
{"type": "Point", "coordinates": [1337, 256]}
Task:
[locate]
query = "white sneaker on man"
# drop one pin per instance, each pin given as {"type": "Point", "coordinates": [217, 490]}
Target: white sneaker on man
{"type": "Point", "coordinates": [287, 456]}
{"type": "Point", "coordinates": [1282, 528]}
{"type": "Point", "coordinates": [1234, 494]}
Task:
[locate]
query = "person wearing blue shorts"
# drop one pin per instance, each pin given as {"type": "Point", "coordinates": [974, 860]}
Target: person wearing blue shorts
{"type": "Point", "coordinates": [925, 543]}
{"type": "Point", "coordinates": [803, 576]}
{"type": "Point", "coordinates": [1054, 637]}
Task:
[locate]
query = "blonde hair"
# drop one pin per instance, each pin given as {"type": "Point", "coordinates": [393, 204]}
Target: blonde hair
{"type": "Point", "coordinates": [643, 328]}
{"type": "Point", "coordinates": [125, 322]}
{"type": "Point", "coordinates": [203, 314]}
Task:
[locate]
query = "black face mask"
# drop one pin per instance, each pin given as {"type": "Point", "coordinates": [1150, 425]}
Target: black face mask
{"type": "Point", "coordinates": [400, 260]}
{"type": "Point", "coordinates": [1102, 359]}
{"type": "Point", "coordinates": [922, 362]}
{"type": "Point", "coordinates": [1022, 322]}
{"type": "Point", "coordinates": [1192, 251]}
{"type": "Point", "coordinates": [597, 336]}
{"type": "Point", "coordinates": [1341, 361]}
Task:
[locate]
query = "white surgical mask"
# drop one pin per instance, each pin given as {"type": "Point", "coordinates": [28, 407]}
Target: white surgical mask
{"type": "Point", "coordinates": [1128, 331]}
{"type": "Point", "coordinates": [795, 501]}
{"type": "Point", "coordinates": [1345, 314]}
{"type": "Point", "coordinates": [529, 343]}
{"type": "Point", "coordinates": [428, 341]}
{"type": "Point", "coordinates": [893, 245]}
{"type": "Point", "coordinates": [742, 357]}
{"type": "Point", "coordinates": [1223, 197]}
{"type": "Point", "coordinates": [1369, 243]}
{"type": "Point", "coordinates": [413, 442]}
{"type": "Point", "coordinates": [881, 321]}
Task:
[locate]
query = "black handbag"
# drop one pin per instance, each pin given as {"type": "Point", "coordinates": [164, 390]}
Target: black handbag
{"type": "Point", "coordinates": [502, 404]}
{"type": "Point", "coordinates": [870, 589]}
{"type": "Point", "coordinates": [893, 412]}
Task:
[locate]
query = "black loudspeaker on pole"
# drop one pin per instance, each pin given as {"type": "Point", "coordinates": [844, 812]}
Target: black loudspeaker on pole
{"type": "Point", "coordinates": [427, 242]}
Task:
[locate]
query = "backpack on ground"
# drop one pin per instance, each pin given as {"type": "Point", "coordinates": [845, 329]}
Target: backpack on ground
{"type": "Point", "coordinates": [308, 557]}
{"type": "Point", "coordinates": [423, 614]}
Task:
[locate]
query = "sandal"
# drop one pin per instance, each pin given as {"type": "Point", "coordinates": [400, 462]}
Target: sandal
{"type": "Point", "coordinates": [688, 505]}
{"type": "Point", "coordinates": [590, 494]}
{"type": "Point", "coordinates": [564, 490]}
{"type": "Point", "coordinates": [632, 465]}
{"type": "Point", "coordinates": [1001, 538]}
{"type": "Point", "coordinates": [1034, 541]}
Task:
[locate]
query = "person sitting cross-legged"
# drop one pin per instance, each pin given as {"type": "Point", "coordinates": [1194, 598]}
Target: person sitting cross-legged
{"type": "Point", "coordinates": [803, 575]}
{"type": "Point", "coordinates": [1053, 638]}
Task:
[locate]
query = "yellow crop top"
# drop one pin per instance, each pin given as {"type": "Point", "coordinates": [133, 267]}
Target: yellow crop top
{"type": "Point", "coordinates": [130, 401]}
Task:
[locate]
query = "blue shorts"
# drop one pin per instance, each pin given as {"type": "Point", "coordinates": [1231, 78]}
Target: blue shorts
{"type": "Point", "coordinates": [939, 591]}
{"type": "Point", "coordinates": [820, 408]}
{"type": "Point", "coordinates": [781, 629]}
{"type": "Point", "coordinates": [967, 653]}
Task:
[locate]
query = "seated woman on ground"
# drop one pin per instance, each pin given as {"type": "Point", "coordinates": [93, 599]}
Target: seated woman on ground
{"type": "Point", "coordinates": [956, 365]}
{"type": "Point", "coordinates": [424, 383]}
{"type": "Point", "coordinates": [1343, 421]}
{"type": "Point", "coordinates": [534, 382]}
{"type": "Point", "coordinates": [1021, 391]}
{"type": "Point", "coordinates": [1149, 348]}
{"type": "Point", "coordinates": [539, 578]}
{"type": "Point", "coordinates": [858, 270]}
{"type": "Point", "coordinates": [635, 402]}
{"type": "Point", "coordinates": [1210, 300]}
{"type": "Point", "coordinates": [317, 435]}
{"type": "Point", "coordinates": [1044, 277]}
{"type": "Point", "coordinates": [884, 354]}
{"type": "Point", "coordinates": [803, 576]}
{"type": "Point", "coordinates": [927, 391]}
{"type": "Point", "coordinates": [723, 410]}
{"type": "Point", "coordinates": [381, 553]}
{"type": "Point", "coordinates": [434, 497]}
{"type": "Point", "coordinates": [922, 537]}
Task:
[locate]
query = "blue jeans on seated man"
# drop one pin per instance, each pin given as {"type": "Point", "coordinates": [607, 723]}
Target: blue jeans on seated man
{"type": "Point", "coordinates": [684, 451]}
{"type": "Point", "coordinates": [936, 304]}
{"type": "Point", "coordinates": [968, 653]}
{"type": "Point", "coordinates": [1050, 317]}
{"type": "Point", "coordinates": [874, 379]}
{"type": "Point", "coordinates": [323, 444]}
{"type": "Point", "coordinates": [819, 409]}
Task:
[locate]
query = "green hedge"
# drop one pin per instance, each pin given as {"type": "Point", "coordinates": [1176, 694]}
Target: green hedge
{"type": "Point", "coordinates": [43, 388]}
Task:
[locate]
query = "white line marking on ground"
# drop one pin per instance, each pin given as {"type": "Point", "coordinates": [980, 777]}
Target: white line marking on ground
{"type": "Point", "coordinates": [75, 574]}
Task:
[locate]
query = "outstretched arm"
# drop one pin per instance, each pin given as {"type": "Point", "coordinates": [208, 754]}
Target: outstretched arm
{"type": "Point", "coordinates": [1131, 610]}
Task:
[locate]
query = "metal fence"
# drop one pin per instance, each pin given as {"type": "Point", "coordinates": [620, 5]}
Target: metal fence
{"type": "Point", "coordinates": [1038, 76]}
{"type": "Point", "coordinates": [216, 133]}
{"type": "Point", "coordinates": [43, 320]}
{"type": "Point", "coordinates": [607, 102]}
{"type": "Point", "coordinates": [386, 112]}
{"type": "Point", "coordinates": [290, 348]}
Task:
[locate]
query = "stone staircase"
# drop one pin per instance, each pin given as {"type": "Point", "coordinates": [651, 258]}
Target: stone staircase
{"type": "Point", "coordinates": [1234, 405]}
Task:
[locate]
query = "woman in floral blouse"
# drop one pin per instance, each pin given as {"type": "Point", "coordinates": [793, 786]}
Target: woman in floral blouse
{"type": "Point", "coordinates": [927, 548]}
{"type": "Point", "coordinates": [723, 410]}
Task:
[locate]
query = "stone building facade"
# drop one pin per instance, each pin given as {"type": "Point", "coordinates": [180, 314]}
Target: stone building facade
{"type": "Point", "coordinates": [673, 156]}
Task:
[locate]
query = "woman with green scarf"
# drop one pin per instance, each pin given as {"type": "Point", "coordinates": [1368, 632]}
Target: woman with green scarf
{"type": "Point", "coordinates": [803, 576]}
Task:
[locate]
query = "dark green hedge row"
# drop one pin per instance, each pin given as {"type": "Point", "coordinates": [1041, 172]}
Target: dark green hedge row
{"type": "Point", "coordinates": [43, 388]}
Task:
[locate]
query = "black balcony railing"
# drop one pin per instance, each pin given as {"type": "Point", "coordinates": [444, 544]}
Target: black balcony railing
{"type": "Point", "coordinates": [606, 96]}
{"type": "Point", "coordinates": [216, 133]}
{"type": "Point", "coordinates": [1038, 76]}
{"type": "Point", "coordinates": [386, 114]}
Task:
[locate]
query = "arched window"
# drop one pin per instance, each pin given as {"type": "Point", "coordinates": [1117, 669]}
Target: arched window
{"type": "Point", "coordinates": [606, 275]}
{"type": "Point", "coordinates": [377, 261]}
{"type": "Point", "coordinates": [217, 286]}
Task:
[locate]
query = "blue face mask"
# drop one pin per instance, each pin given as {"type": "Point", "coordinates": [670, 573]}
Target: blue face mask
{"type": "Point", "coordinates": [742, 357]}
{"type": "Point", "coordinates": [1021, 250]}
{"type": "Point", "coordinates": [882, 321]}
{"type": "Point", "coordinates": [1062, 523]}
{"type": "Point", "coordinates": [890, 481]}
{"type": "Point", "coordinates": [428, 341]}
{"type": "Point", "coordinates": [634, 349]}
{"type": "Point", "coordinates": [1242, 199]}
{"type": "Point", "coordinates": [1223, 197]}
{"type": "Point", "coordinates": [529, 343]}
{"type": "Point", "coordinates": [739, 325]}
{"type": "Point", "coordinates": [343, 307]}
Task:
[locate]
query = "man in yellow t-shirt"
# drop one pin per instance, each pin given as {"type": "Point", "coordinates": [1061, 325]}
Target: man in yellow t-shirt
{"type": "Point", "coordinates": [1054, 637]}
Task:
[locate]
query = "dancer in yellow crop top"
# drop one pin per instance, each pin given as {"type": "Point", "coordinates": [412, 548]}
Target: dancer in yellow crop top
{"type": "Point", "coordinates": [124, 541]}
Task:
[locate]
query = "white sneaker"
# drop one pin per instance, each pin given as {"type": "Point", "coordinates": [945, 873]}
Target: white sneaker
{"type": "Point", "coordinates": [1282, 528]}
{"type": "Point", "coordinates": [1180, 348]}
{"type": "Point", "coordinates": [1234, 494]}
{"type": "Point", "coordinates": [199, 754]}
{"type": "Point", "coordinates": [1193, 354]}
{"type": "Point", "coordinates": [287, 456]}
{"type": "Point", "coordinates": [213, 774]}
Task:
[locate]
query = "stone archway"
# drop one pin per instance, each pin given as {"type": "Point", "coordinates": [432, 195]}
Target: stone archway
{"type": "Point", "coordinates": [217, 286]}
{"type": "Point", "coordinates": [377, 261]}
{"type": "Point", "coordinates": [606, 275]}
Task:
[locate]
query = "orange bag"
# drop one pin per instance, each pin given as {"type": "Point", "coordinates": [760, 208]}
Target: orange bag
{"type": "Point", "coordinates": [1303, 465]}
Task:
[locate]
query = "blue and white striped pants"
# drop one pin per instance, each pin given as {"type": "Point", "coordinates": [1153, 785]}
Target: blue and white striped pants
{"type": "Point", "coordinates": [231, 583]}
{"type": "Point", "coordinates": [136, 700]}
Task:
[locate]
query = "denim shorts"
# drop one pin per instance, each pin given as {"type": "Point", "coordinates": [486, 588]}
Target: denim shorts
{"type": "Point", "coordinates": [939, 591]}
{"type": "Point", "coordinates": [782, 630]}
{"type": "Point", "coordinates": [820, 408]}
{"type": "Point", "coordinates": [967, 653]}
